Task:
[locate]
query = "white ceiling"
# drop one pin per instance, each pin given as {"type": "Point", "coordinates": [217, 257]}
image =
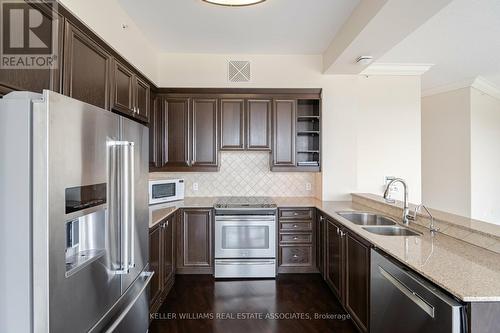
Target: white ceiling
{"type": "Point", "coordinates": [272, 27]}
{"type": "Point", "coordinates": [462, 40]}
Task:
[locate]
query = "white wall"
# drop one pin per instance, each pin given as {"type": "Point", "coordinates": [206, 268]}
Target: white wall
{"type": "Point", "coordinates": [446, 151]}
{"type": "Point", "coordinates": [105, 18]}
{"type": "Point", "coordinates": [485, 157]}
{"type": "Point", "coordinates": [356, 155]}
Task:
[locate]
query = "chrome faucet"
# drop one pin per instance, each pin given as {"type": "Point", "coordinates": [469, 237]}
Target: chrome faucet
{"type": "Point", "coordinates": [432, 226]}
{"type": "Point", "coordinates": [406, 210]}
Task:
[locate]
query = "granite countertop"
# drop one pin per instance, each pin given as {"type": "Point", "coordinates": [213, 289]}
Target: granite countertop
{"type": "Point", "coordinates": [470, 273]}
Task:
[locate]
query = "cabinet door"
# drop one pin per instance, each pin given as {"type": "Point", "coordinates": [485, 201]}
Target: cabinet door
{"type": "Point", "coordinates": [357, 272]}
{"type": "Point", "coordinates": [204, 124]}
{"type": "Point", "coordinates": [154, 262]}
{"type": "Point", "coordinates": [320, 243]}
{"type": "Point", "coordinates": [142, 91]}
{"type": "Point", "coordinates": [176, 135]}
{"type": "Point", "coordinates": [86, 69]}
{"type": "Point", "coordinates": [195, 242]}
{"type": "Point", "coordinates": [168, 250]}
{"type": "Point", "coordinates": [122, 93]}
{"type": "Point", "coordinates": [259, 124]}
{"type": "Point", "coordinates": [334, 259]}
{"type": "Point", "coordinates": [232, 124]}
{"type": "Point", "coordinates": [155, 132]}
{"type": "Point", "coordinates": [284, 133]}
{"type": "Point", "coordinates": [36, 80]}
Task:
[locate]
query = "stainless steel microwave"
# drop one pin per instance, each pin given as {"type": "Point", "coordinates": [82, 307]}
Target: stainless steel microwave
{"type": "Point", "coordinates": [165, 190]}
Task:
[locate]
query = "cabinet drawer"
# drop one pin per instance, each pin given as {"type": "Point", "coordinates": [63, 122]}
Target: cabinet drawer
{"type": "Point", "coordinates": [296, 238]}
{"type": "Point", "coordinates": [296, 214]}
{"type": "Point", "coordinates": [296, 226]}
{"type": "Point", "coordinates": [296, 255]}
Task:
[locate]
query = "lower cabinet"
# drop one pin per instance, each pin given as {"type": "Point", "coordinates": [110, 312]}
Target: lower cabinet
{"type": "Point", "coordinates": [296, 250]}
{"type": "Point", "coordinates": [348, 271]}
{"type": "Point", "coordinates": [162, 260]}
{"type": "Point", "coordinates": [194, 242]}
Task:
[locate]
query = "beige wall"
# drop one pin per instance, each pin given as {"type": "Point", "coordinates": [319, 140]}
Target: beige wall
{"type": "Point", "coordinates": [446, 151]}
{"type": "Point", "coordinates": [105, 18]}
{"type": "Point", "coordinates": [485, 157]}
{"type": "Point", "coordinates": [359, 115]}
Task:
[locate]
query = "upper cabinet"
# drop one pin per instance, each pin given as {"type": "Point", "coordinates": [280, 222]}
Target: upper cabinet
{"type": "Point", "coordinates": [86, 68]}
{"type": "Point", "coordinates": [176, 133]}
{"type": "Point", "coordinates": [130, 94]}
{"type": "Point", "coordinates": [245, 124]}
{"type": "Point", "coordinates": [258, 124]}
{"type": "Point", "coordinates": [204, 151]}
{"type": "Point", "coordinates": [284, 133]}
{"type": "Point", "coordinates": [232, 124]}
{"type": "Point", "coordinates": [36, 80]}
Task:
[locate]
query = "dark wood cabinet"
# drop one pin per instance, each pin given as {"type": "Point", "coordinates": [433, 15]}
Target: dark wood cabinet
{"type": "Point", "coordinates": [232, 128]}
{"type": "Point", "coordinates": [162, 260]}
{"type": "Point", "coordinates": [176, 133]}
{"type": "Point", "coordinates": [122, 94]}
{"type": "Point", "coordinates": [86, 68]}
{"type": "Point", "coordinates": [258, 127]}
{"type": "Point", "coordinates": [142, 92]}
{"type": "Point", "coordinates": [296, 250]}
{"type": "Point", "coordinates": [357, 280]}
{"type": "Point", "coordinates": [335, 259]}
{"type": "Point", "coordinates": [348, 271]}
{"type": "Point", "coordinates": [155, 132]}
{"type": "Point", "coordinates": [204, 133]}
{"type": "Point", "coordinates": [155, 254]}
{"type": "Point", "coordinates": [320, 243]}
{"type": "Point", "coordinates": [168, 243]}
{"type": "Point", "coordinates": [35, 80]}
{"type": "Point", "coordinates": [194, 242]}
{"type": "Point", "coordinates": [130, 94]}
{"type": "Point", "coordinates": [284, 133]}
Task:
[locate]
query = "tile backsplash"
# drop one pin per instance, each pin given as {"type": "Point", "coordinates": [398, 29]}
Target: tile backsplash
{"type": "Point", "coordinates": [245, 173]}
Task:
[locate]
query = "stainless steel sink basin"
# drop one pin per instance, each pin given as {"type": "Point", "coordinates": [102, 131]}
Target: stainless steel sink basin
{"type": "Point", "coordinates": [391, 231]}
{"type": "Point", "coordinates": [361, 218]}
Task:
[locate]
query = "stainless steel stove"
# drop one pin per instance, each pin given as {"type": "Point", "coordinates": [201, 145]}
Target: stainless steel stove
{"type": "Point", "coordinates": [245, 237]}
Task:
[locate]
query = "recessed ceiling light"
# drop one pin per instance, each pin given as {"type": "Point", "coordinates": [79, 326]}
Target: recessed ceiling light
{"type": "Point", "coordinates": [234, 3]}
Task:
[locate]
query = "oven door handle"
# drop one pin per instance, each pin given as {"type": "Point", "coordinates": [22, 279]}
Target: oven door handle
{"type": "Point", "coordinates": [236, 218]}
{"type": "Point", "coordinates": [239, 262]}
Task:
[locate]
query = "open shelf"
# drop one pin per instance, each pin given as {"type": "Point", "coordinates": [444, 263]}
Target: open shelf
{"type": "Point", "coordinates": [308, 150]}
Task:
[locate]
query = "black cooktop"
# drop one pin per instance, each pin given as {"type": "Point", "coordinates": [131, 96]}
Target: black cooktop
{"type": "Point", "coordinates": [245, 202]}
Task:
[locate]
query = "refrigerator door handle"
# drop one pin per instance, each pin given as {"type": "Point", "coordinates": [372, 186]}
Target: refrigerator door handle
{"type": "Point", "coordinates": [124, 184]}
{"type": "Point", "coordinates": [131, 204]}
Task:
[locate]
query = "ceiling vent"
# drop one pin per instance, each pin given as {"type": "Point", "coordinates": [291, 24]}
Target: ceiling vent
{"type": "Point", "coordinates": [238, 71]}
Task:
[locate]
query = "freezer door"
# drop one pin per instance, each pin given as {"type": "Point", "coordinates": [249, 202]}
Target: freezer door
{"type": "Point", "coordinates": [75, 231]}
{"type": "Point", "coordinates": [135, 200]}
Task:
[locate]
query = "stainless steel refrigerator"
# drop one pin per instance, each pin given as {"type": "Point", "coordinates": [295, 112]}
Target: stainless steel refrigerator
{"type": "Point", "coordinates": [73, 217]}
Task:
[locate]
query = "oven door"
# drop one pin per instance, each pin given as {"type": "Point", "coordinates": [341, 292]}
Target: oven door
{"type": "Point", "coordinates": [245, 236]}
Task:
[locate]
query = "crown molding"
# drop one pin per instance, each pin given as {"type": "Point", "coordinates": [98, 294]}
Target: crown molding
{"type": "Point", "coordinates": [478, 83]}
{"type": "Point", "coordinates": [406, 69]}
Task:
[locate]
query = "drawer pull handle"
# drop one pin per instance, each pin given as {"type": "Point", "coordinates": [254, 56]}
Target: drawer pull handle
{"type": "Point", "coordinates": [295, 214]}
{"type": "Point", "coordinates": [295, 226]}
{"type": "Point", "coordinates": [295, 238]}
{"type": "Point", "coordinates": [295, 256]}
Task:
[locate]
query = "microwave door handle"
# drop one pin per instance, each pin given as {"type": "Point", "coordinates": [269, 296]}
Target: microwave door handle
{"type": "Point", "coordinates": [131, 204]}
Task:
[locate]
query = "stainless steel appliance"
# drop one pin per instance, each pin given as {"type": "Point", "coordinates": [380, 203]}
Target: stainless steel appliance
{"type": "Point", "coordinates": [74, 217]}
{"type": "Point", "coordinates": [245, 237]}
{"type": "Point", "coordinates": [165, 190]}
{"type": "Point", "coordinates": [401, 301]}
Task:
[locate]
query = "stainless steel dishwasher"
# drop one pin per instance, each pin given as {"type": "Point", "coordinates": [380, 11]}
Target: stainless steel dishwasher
{"type": "Point", "coordinates": [403, 302]}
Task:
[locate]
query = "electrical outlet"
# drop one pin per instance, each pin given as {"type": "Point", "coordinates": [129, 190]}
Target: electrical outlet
{"type": "Point", "coordinates": [308, 186]}
{"type": "Point", "coordinates": [195, 187]}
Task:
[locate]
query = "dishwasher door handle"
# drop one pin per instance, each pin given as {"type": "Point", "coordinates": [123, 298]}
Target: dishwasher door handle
{"type": "Point", "coordinates": [413, 296]}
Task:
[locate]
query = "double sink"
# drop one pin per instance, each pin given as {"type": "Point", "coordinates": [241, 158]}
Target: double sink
{"type": "Point", "coordinates": [377, 224]}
